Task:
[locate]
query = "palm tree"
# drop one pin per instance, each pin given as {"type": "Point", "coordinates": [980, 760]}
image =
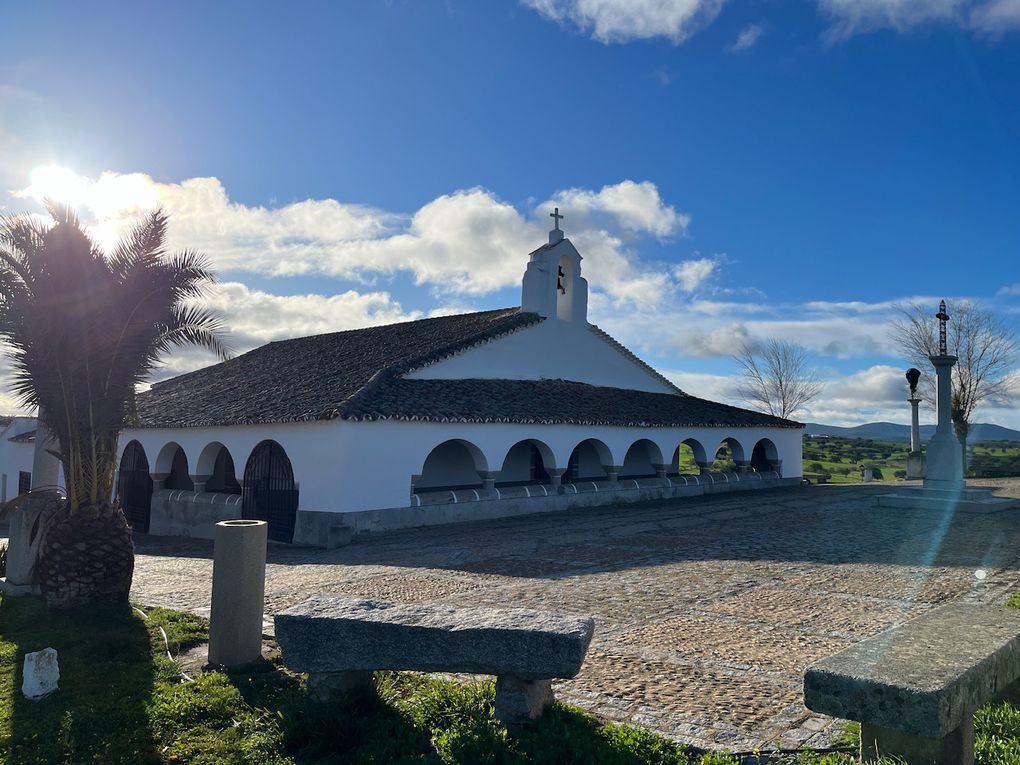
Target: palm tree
{"type": "Point", "coordinates": [84, 329]}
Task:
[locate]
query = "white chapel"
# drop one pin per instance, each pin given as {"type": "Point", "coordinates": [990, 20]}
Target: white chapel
{"type": "Point", "coordinates": [481, 415]}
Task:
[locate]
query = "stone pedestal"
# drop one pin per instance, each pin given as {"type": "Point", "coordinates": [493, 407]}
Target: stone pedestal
{"type": "Point", "coordinates": [743, 466]}
{"type": "Point", "coordinates": [519, 701]}
{"type": "Point", "coordinates": [916, 466]}
{"type": "Point", "coordinates": [945, 459]}
{"type": "Point", "coordinates": [238, 591]}
{"type": "Point", "coordinates": [944, 488]}
{"type": "Point", "coordinates": [660, 470]}
{"type": "Point", "coordinates": [612, 472]}
{"type": "Point", "coordinates": [704, 468]}
{"type": "Point", "coordinates": [555, 476]}
{"type": "Point", "coordinates": [955, 748]}
{"type": "Point", "coordinates": [337, 686]}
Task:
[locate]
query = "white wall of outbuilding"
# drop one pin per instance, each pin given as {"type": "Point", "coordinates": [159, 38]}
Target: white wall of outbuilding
{"type": "Point", "coordinates": [342, 466]}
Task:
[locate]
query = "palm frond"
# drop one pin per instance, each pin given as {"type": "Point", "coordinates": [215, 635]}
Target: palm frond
{"type": "Point", "coordinates": [83, 330]}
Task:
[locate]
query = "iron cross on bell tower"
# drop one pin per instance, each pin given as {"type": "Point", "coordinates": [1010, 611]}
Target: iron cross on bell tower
{"type": "Point", "coordinates": [555, 214]}
{"type": "Point", "coordinates": [943, 317]}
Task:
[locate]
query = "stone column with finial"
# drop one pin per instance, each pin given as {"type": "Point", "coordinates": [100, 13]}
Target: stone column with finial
{"type": "Point", "coordinates": [945, 462]}
{"type": "Point", "coordinates": [915, 460]}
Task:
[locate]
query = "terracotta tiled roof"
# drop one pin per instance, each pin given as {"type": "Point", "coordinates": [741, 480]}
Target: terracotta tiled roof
{"type": "Point", "coordinates": [547, 402]}
{"type": "Point", "coordinates": [313, 378]}
{"type": "Point", "coordinates": [357, 375]}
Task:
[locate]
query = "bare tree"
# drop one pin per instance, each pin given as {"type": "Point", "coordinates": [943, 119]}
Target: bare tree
{"type": "Point", "coordinates": [986, 348]}
{"type": "Point", "coordinates": [775, 377]}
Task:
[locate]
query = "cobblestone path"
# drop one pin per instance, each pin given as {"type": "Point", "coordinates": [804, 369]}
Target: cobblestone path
{"type": "Point", "coordinates": [708, 609]}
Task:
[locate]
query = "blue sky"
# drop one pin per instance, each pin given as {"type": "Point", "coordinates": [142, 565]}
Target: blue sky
{"type": "Point", "coordinates": [730, 170]}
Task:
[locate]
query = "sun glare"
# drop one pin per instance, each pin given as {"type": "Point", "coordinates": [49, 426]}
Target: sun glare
{"type": "Point", "coordinates": [58, 183]}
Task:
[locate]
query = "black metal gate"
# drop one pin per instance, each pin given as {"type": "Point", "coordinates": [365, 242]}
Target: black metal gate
{"type": "Point", "coordinates": [269, 493]}
{"type": "Point", "coordinates": [134, 487]}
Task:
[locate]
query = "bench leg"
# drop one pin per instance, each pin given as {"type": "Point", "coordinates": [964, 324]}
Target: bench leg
{"type": "Point", "coordinates": [518, 701]}
{"type": "Point", "coordinates": [335, 686]}
{"type": "Point", "coordinates": [955, 748]}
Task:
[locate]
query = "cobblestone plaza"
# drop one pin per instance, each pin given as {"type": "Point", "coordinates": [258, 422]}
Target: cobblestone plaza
{"type": "Point", "coordinates": [708, 609]}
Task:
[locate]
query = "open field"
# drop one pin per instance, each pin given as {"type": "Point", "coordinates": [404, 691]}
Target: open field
{"type": "Point", "coordinates": [841, 459]}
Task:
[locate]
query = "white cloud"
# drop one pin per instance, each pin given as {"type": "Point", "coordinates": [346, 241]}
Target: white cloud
{"type": "Point", "coordinates": [465, 243]}
{"type": "Point", "coordinates": [996, 17]}
{"type": "Point", "coordinates": [852, 16]}
{"type": "Point", "coordinates": [255, 317]}
{"type": "Point", "coordinates": [621, 21]}
{"type": "Point", "coordinates": [610, 21]}
{"type": "Point", "coordinates": [1010, 289]}
{"type": "Point", "coordinates": [635, 207]}
{"type": "Point", "coordinates": [987, 17]}
{"type": "Point", "coordinates": [747, 38]}
{"type": "Point", "coordinates": [694, 273]}
{"type": "Point", "coordinates": [703, 385]}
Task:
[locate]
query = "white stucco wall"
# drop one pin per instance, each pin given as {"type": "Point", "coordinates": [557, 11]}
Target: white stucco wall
{"type": "Point", "coordinates": [376, 460]}
{"type": "Point", "coordinates": [347, 466]}
{"type": "Point", "coordinates": [14, 457]}
{"type": "Point", "coordinates": [549, 350]}
{"type": "Point", "coordinates": [313, 449]}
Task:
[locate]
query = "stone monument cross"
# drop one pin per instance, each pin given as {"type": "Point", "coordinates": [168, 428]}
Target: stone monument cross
{"type": "Point", "coordinates": [943, 317]}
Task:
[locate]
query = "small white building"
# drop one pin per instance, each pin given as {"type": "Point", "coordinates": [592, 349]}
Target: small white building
{"type": "Point", "coordinates": [17, 445]}
{"type": "Point", "coordinates": [480, 415]}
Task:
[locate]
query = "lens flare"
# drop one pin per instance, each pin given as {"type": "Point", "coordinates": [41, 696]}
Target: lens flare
{"type": "Point", "coordinates": [57, 183]}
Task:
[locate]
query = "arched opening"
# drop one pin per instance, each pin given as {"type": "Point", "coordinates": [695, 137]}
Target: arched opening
{"type": "Point", "coordinates": [641, 459]}
{"type": "Point", "coordinates": [526, 462]}
{"type": "Point", "coordinates": [453, 464]}
{"type": "Point", "coordinates": [134, 487]}
{"type": "Point", "coordinates": [729, 453]}
{"type": "Point", "coordinates": [687, 456]}
{"type": "Point", "coordinates": [223, 479]}
{"type": "Point", "coordinates": [179, 478]}
{"type": "Point", "coordinates": [764, 456]}
{"type": "Point", "coordinates": [269, 493]}
{"type": "Point", "coordinates": [564, 284]}
{"type": "Point", "coordinates": [587, 462]}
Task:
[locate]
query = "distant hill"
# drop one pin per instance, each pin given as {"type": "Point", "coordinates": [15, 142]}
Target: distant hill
{"type": "Point", "coordinates": [890, 431]}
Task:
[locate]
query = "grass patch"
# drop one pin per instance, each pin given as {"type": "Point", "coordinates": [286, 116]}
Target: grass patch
{"type": "Point", "coordinates": [121, 700]}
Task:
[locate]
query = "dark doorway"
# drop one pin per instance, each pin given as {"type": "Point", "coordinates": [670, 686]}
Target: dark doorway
{"type": "Point", "coordinates": [134, 487]}
{"type": "Point", "coordinates": [179, 477]}
{"type": "Point", "coordinates": [223, 479]}
{"type": "Point", "coordinates": [269, 493]}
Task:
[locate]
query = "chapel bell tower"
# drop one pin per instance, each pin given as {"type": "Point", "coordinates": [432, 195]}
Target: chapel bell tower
{"type": "Point", "coordinates": [553, 286]}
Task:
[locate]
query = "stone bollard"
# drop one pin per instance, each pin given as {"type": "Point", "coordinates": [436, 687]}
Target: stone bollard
{"type": "Point", "coordinates": [41, 674]}
{"type": "Point", "coordinates": [238, 591]}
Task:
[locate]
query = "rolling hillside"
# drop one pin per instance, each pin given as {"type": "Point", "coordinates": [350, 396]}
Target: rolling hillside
{"type": "Point", "coordinates": [891, 431]}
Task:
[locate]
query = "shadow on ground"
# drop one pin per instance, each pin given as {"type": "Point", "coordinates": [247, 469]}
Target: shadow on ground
{"type": "Point", "coordinates": [817, 525]}
{"type": "Point", "coordinates": [99, 713]}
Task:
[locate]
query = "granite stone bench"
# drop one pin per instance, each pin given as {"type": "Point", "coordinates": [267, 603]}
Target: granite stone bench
{"type": "Point", "coordinates": [915, 688]}
{"type": "Point", "coordinates": [340, 641]}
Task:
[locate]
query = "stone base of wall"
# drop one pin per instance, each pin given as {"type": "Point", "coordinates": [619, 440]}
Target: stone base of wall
{"type": "Point", "coordinates": [325, 529]}
{"type": "Point", "coordinates": [178, 513]}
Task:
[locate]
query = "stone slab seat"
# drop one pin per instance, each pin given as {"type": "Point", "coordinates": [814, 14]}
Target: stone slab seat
{"type": "Point", "coordinates": [340, 641]}
{"type": "Point", "coordinates": [915, 688]}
